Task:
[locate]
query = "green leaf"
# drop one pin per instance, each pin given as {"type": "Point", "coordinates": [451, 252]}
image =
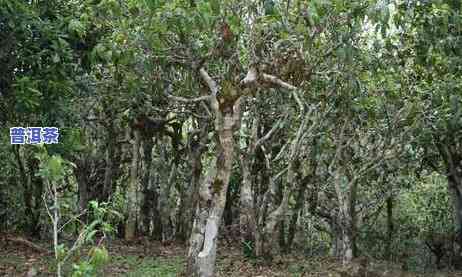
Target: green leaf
{"type": "Point", "coordinates": [55, 166]}
{"type": "Point", "coordinates": [215, 6]}
{"type": "Point", "coordinates": [56, 58]}
{"type": "Point", "coordinates": [99, 256]}
{"type": "Point", "coordinates": [89, 237]}
{"type": "Point", "coordinates": [75, 26]}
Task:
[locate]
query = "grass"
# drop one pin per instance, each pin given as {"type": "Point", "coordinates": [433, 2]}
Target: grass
{"type": "Point", "coordinates": [149, 266]}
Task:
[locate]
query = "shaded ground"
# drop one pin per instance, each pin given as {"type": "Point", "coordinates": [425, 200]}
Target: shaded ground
{"type": "Point", "coordinates": [154, 259]}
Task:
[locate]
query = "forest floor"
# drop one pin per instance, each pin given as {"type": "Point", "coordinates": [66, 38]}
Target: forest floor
{"type": "Point", "coordinates": [155, 259]}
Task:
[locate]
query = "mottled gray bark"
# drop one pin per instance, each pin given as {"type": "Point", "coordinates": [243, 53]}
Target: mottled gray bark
{"type": "Point", "coordinates": [148, 198]}
{"type": "Point", "coordinates": [249, 230]}
{"type": "Point", "coordinates": [226, 109]}
{"type": "Point", "coordinates": [346, 215]}
{"type": "Point", "coordinates": [277, 210]}
{"type": "Point", "coordinates": [247, 221]}
{"type": "Point", "coordinates": [189, 193]}
{"type": "Point", "coordinates": [204, 237]}
{"type": "Point", "coordinates": [109, 170]}
{"type": "Point", "coordinates": [132, 190]}
{"type": "Point", "coordinates": [164, 202]}
{"type": "Point", "coordinates": [336, 239]}
{"type": "Point", "coordinates": [293, 223]}
{"type": "Point", "coordinates": [347, 175]}
{"type": "Point", "coordinates": [188, 202]}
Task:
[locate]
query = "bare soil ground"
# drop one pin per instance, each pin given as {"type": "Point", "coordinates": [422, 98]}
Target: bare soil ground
{"type": "Point", "coordinates": [155, 259]}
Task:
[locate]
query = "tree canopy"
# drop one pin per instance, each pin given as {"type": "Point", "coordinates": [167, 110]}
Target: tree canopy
{"type": "Point", "coordinates": [324, 127]}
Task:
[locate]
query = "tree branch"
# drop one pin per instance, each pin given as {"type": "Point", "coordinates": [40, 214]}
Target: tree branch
{"type": "Point", "coordinates": [250, 78]}
{"type": "Point", "coordinates": [183, 99]}
{"type": "Point", "coordinates": [188, 100]}
{"type": "Point", "coordinates": [213, 86]}
{"type": "Point", "coordinates": [270, 132]}
{"type": "Point", "coordinates": [276, 81]}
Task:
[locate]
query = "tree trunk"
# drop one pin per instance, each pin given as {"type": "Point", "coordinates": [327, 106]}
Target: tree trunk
{"type": "Point", "coordinates": [188, 194]}
{"type": "Point", "coordinates": [336, 239]}
{"type": "Point", "coordinates": [82, 173]}
{"type": "Point", "coordinates": [189, 201]}
{"type": "Point", "coordinates": [390, 228]}
{"type": "Point", "coordinates": [81, 177]}
{"type": "Point", "coordinates": [55, 220]}
{"type": "Point", "coordinates": [348, 246]}
{"type": "Point", "coordinates": [453, 162]}
{"type": "Point", "coordinates": [280, 226]}
{"type": "Point", "coordinates": [165, 206]}
{"type": "Point", "coordinates": [3, 211]}
{"type": "Point", "coordinates": [148, 194]}
{"type": "Point", "coordinates": [299, 204]}
{"type": "Point", "coordinates": [281, 231]}
{"type": "Point", "coordinates": [278, 212]}
{"type": "Point", "coordinates": [33, 188]}
{"type": "Point", "coordinates": [155, 209]}
{"type": "Point", "coordinates": [262, 194]}
{"type": "Point", "coordinates": [346, 198]}
{"type": "Point", "coordinates": [269, 234]}
{"type": "Point", "coordinates": [347, 225]}
{"type": "Point", "coordinates": [247, 221]}
{"type": "Point", "coordinates": [248, 214]}
{"type": "Point", "coordinates": [130, 224]}
{"type": "Point", "coordinates": [109, 170]}
{"type": "Point", "coordinates": [37, 204]}
{"type": "Point", "coordinates": [229, 214]}
{"type": "Point", "coordinates": [456, 196]}
{"type": "Point", "coordinates": [204, 236]}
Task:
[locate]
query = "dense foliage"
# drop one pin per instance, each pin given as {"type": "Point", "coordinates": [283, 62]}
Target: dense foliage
{"type": "Point", "coordinates": [320, 127]}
